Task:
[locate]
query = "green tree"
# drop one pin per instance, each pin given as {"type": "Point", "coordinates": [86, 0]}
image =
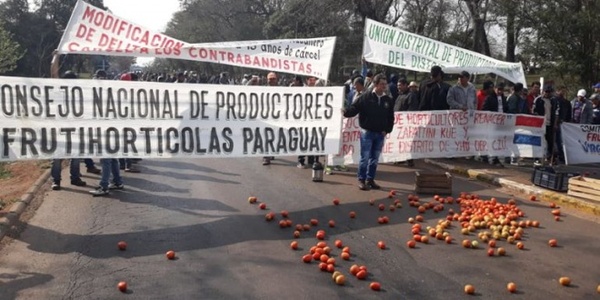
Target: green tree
{"type": "Point", "coordinates": [10, 51]}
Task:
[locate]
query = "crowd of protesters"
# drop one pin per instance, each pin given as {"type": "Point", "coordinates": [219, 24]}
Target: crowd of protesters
{"type": "Point", "coordinates": [431, 94]}
{"type": "Point", "coordinates": [434, 93]}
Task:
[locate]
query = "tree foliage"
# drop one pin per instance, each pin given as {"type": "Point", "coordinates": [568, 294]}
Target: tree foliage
{"type": "Point", "coordinates": [553, 37]}
{"type": "Point", "coordinates": [10, 51]}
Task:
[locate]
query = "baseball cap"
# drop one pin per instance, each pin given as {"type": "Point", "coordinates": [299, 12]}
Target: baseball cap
{"type": "Point", "coordinates": [597, 85]}
{"type": "Point", "coordinates": [464, 74]}
{"type": "Point", "coordinates": [581, 93]}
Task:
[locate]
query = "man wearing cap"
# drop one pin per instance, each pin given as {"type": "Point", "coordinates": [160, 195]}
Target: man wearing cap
{"type": "Point", "coordinates": [596, 88]}
{"type": "Point", "coordinates": [582, 109]}
{"type": "Point", "coordinates": [271, 81]}
{"type": "Point", "coordinates": [375, 112]}
{"type": "Point", "coordinates": [434, 92]}
{"type": "Point", "coordinates": [546, 105]}
{"type": "Point", "coordinates": [463, 95]}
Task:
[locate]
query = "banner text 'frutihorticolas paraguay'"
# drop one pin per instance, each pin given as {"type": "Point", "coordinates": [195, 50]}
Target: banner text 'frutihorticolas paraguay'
{"type": "Point", "coordinates": [62, 118]}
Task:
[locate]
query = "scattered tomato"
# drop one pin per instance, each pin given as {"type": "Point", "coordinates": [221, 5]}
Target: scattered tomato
{"type": "Point", "coordinates": [376, 286]}
{"type": "Point", "coordinates": [170, 254]}
{"type": "Point", "coordinates": [294, 245]}
{"type": "Point", "coordinates": [122, 286]}
{"type": "Point", "coordinates": [122, 245]}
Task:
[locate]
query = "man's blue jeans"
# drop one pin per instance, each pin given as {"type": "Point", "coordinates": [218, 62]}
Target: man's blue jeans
{"type": "Point", "coordinates": [110, 166]}
{"type": "Point", "coordinates": [371, 143]}
{"type": "Point", "coordinates": [57, 168]}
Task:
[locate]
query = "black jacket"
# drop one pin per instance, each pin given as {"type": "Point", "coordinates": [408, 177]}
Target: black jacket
{"type": "Point", "coordinates": [433, 95]}
{"type": "Point", "coordinates": [491, 103]}
{"type": "Point", "coordinates": [540, 110]}
{"type": "Point", "coordinates": [374, 113]}
{"type": "Point", "coordinates": [563, 110]}
{"type": "Point", "coordinates": [407, 102]}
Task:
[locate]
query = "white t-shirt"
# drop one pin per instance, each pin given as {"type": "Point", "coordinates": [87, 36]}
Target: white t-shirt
{"type": "Point", "coordinates": [500, 108]}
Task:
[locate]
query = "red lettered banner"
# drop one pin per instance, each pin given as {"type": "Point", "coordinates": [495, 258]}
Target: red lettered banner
{"type": "Point", "coordinates": [431, 134]}
{"type": "Point", "coordinates": [95, 31]}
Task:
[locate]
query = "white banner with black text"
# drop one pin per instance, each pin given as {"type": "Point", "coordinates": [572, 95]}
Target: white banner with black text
{"type": "Point", "coordinates": [62, 118]}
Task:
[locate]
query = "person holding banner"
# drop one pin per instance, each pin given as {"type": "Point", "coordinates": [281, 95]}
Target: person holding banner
{"type": "Point", "coordinates": [56, 168]}
{"type": "Point", "coordinates": [310, 82]}
{"type": "Point", "coordinates": [546, 105]}
{"type": "Point", "coordinates": [462, 96]}
{"type": "Point", "coordinates": [375, 112]}
{"type": "Point", "coordinates": [271, 81]}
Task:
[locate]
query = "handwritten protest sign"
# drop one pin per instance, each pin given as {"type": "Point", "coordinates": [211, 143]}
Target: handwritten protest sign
{"type": "Point", "coordinates": [432, 134]}
{"type": "Point", "coordinates": [59, 118]}
{"type": "Point", "coordinates": [391, 46]}
{"type": "Point", "coordinates": [95, 31]}
{"type": "Point", "coordinates": [581, 143]}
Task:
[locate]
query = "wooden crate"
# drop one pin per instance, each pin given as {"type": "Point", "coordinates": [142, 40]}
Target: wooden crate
{"type": "Point", "coordinates": [585, 188]}
{"type": "Point", "coordinates": [439, 183]}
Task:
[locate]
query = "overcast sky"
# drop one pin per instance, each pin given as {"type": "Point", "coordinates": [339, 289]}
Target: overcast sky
{"type": "Point", "coordinates": [151, 14]}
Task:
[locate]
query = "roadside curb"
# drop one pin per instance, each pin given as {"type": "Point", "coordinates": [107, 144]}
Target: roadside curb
{"type": "Point", "coordinates": [17, 208]}
{"type": "Point", "coordinates": [541, 193]}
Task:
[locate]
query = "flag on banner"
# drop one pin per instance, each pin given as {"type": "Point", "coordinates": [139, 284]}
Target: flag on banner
{"type": "Point", "coordinates": [528, 130]}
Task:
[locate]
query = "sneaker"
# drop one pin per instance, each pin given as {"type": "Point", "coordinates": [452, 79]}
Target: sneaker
{"type": "Point", "coordinates": [537, 163]}
{"type": "Point", "coordinates": [94, 170]}
{"type": "Point", "coordinates": [56, 186]}
{"type": "Point", "coordinates": [371, 183]}
{"type": "Point", "coordinates": [78, 182]}
{"type": "Point", "coordinates": [132, 170]}
{"type": "Point", "coordinates": [362, 185]}
{"type": "Point", "coordinates": [114, 186]}
{"type": "Point", "coordinates": [266, 161]}
{"type": "Point", "coordinates": [301, 166]}
{"type": "Point", "coordinates": [99, 192]}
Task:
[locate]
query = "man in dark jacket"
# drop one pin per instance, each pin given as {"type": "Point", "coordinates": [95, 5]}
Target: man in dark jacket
{"type": "Point", "coordinates": [516, 104]}
{"type": "Point", "coordinates": [563, 114]}
{"type": "Point", "coordinates": [495, 102]}
{"type": "Point", "coordinates": [375, 112]}
{"type": "Point", "coordinates": [433, 92]}
{"type": "Point", "coordinates": [546, 105]}
{"type": "Point", "coordinates": [393, 86]}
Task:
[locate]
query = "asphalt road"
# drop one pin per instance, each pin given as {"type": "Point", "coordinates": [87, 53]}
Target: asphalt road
{"type": "Point", "coordinates": [226, 250]}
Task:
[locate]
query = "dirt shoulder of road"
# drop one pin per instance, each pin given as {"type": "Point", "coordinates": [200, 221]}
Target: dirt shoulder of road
{"type": "Point", "coordinates": [16, 178]}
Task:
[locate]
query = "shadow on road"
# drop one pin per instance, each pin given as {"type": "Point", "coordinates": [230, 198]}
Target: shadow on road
{"type": "Point", "coordinates": [11, 284]}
